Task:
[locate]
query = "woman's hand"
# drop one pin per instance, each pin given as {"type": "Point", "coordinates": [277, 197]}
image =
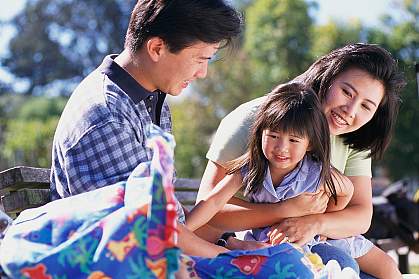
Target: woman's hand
{"type": "Point", "coordinates": [308, 203]}
{"type": "Point", "coordinates": [299, 230]}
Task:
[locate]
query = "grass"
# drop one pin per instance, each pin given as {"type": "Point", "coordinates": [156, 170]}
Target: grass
{"type": "Point", "coordinates": [414, 269]}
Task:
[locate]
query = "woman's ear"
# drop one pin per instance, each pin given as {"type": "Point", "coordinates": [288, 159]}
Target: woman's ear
{"type": "Point", "coordinates": [155, 48]}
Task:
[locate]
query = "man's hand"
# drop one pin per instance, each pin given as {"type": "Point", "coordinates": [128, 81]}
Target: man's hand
{"type": "Point", "coordinates": [237, 244]}
{"type": "Point", "coordinates": [308, 203]}
{"type": "Point", "coordinates": [299, 230]}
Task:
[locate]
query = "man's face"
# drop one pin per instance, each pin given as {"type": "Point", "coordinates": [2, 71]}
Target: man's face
{"type": "Point", "coordinates": [178, 70]}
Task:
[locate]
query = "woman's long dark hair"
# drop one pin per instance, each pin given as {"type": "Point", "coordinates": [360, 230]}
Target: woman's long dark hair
{"type": "Point", "coordinates": [291, 108]}
{"type": "Point", "coordinates": [376, 134]}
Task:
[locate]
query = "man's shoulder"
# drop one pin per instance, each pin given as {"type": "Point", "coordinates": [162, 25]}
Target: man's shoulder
{"type": "Point", "coordinates": [91, 106]}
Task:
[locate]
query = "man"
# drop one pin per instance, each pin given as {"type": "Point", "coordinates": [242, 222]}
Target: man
{"type": "Point", "coordinates": [100, 138]}
{"type": "Point", "coordinates": [101, 134]}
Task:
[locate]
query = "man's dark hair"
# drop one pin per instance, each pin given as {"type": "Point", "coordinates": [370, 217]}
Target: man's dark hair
{"type": "Point", "coordinates": [181, 23]}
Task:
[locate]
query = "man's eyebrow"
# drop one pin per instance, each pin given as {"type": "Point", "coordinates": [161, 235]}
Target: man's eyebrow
{"type": "Point", "coordinates": [353, 88]}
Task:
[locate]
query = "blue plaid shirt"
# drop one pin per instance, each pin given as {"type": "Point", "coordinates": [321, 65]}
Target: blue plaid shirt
{"type": "Point", "coordinates": [100, 137]}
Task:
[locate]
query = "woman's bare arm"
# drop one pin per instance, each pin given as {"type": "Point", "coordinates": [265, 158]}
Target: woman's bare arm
{"type": "Point", "coordinates": [355, 218]}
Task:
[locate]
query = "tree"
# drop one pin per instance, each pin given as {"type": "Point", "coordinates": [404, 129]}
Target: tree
{"type": "Point", "coordinates": [59, 40]}
{"type": "Point", "coordinates": [401, 38]}
{"type": "Point", "coordinates": [9, 103]}
{"type": "Point", "coordinates": [333, 35]}
{"type": "Point", "coordinates": [193, 125]}
{"type": "Point", "coordinates": [277, 40]}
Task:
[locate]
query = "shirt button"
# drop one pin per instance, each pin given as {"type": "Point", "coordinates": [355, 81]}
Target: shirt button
{"type": "Point", "coordinates": [150, 98]}
{"type": "Point", "coordinates": [149, 109]}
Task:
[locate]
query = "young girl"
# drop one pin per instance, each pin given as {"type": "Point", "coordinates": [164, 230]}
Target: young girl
{"type": "Point", "coordinates": [288, 154]}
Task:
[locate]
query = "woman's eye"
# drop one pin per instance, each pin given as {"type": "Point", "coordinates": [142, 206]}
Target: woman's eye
{"type": "Point", "coordinates": [347, 93]}
{"type": "Point", "coordinates": [366, 107]}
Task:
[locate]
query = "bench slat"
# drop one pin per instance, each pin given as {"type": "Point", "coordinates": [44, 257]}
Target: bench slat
{"type": "Point", "coordinates": [24, 177]}
{"type": "Point", "coordinates": [16, 201]}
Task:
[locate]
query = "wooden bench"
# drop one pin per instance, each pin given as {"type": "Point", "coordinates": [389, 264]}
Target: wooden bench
{"type": "Point", "coordinates": [27, 187]}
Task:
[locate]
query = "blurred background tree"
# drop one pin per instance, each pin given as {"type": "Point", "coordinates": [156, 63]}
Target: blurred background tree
{"type": "Point", "coordinates": [58, 42]}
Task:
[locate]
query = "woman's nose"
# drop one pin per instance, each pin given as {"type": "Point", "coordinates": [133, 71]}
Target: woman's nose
{"type": "Point", "coordinates": [350, 109]}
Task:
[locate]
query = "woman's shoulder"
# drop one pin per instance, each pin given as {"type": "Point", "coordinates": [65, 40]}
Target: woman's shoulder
{"type": "Point", "coordinates": [347, 160]}
{"type": "Point", "coordinates": [246, 110]}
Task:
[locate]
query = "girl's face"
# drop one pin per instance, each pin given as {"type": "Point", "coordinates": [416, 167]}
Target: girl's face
{"type": "Point", "coordinates": [283, 150]}
{"type": "Point", "coordinates": [352, 101]}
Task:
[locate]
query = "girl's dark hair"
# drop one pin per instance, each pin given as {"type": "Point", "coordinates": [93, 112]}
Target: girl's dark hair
{"type": "Point", "coordinates": [375, 135]}
{"type": "Point", "coordinates": [291, 108]}
{"type": "Point", "coordinates": [182, 23]}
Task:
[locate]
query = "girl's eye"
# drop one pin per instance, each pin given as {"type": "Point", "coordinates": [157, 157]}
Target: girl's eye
{"type": "Point", "coordinates": [294, 140]}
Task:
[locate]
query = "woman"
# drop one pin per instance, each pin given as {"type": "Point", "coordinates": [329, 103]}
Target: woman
{"type": "Point", "coordinates": [359, 87]}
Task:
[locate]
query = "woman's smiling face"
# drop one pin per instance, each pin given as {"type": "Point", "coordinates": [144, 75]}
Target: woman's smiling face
{"type": "Point", "coordinates": [352, 100]}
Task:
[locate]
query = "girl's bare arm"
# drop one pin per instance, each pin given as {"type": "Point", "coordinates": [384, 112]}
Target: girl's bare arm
{"type": "Point", "coordinates": [344, 191]}
{"type": "Point", "coordinates": [208, 206]}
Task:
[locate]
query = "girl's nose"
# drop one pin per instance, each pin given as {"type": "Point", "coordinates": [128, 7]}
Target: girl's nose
{"type": "Point", "coordinates": [282, 146]}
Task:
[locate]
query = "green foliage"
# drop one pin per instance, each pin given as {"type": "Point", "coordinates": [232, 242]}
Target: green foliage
{"type": "Point", "coordinates": [402, 40]}
{"type": "Point", "coordinates": [29, 129]}
{"type": "Point", "coordinates": [41, 108]}
{"type": "Point", "coordinates": [193, 124]}
{"type": "Point", "coordinates": [277, 40]}
{"type": "Point", "coordinates": [332, 35]}
{"type": "Point", "coordinates": [28, 142]}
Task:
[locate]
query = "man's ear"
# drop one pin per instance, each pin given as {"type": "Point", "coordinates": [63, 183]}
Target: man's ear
{"type": "Point", "coordinates": [155, 48]}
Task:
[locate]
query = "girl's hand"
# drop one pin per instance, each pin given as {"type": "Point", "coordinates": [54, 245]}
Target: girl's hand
{"type": "Point", "coordinates": [309, 203]}
{"type": "Point", "coordinates": [299, 230]}
{"type": "Point", "coordinates": [276, 237]}
{"type": "Point", "coordinates": [237, 244]}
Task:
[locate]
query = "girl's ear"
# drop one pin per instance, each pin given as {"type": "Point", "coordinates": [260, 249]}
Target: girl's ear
{"type": "Point", "coordinates": [309, 148]}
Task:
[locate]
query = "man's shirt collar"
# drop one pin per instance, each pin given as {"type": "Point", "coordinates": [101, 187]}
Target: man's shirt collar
{"type": "Point", "coordinates": [123, 79]}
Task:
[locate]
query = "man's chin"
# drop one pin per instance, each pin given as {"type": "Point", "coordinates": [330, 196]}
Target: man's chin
{"type": "Point", "coordinates": [174, 94]}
